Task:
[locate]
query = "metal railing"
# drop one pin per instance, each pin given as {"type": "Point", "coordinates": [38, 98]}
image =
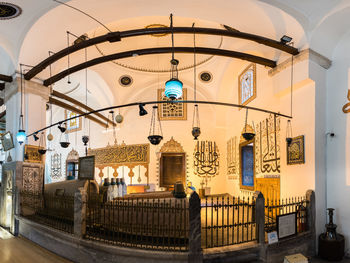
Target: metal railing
{"type": "Point", "coordinates": [159, 224]}
{"type": "Point", "coordinates": [227, 221]}
{"type": "Point", "coordinates": [56, 211]}
{"type": "Point", "coordinates": [275, 208]}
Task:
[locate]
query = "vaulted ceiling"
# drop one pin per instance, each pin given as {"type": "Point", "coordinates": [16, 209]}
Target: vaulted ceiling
{"type": "Point", "coordinates": [43, 24]}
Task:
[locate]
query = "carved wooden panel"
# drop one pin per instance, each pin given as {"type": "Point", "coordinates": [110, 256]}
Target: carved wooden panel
{"type": "Point", "coordinates": [32, 179]}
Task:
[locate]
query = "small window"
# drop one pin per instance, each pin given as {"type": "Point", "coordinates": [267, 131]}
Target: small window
{"type": "Point", "coordinates": [247, 85]}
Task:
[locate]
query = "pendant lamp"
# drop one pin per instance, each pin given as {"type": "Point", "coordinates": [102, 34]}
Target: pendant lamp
{"type": "Point", "coordinates": [248, 134]}
{"type": "Point", "coordinates": [41, 149]}
{"type": "Point", "coordinates": [21, 134]}
{"type": "Point", "coordinates": [64, 140]}
{"type": "Point", "coordinates": [289, 134]}
{"type": "Point", "coordinates": [155, 135]}
{"type": "Point", "coordinates": [196, 130]}
{"type": "Point", "coordinates": [173, 87]}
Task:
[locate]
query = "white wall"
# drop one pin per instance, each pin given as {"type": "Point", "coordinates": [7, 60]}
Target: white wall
{"type": "Point", "coordinates": [273, 93]}
{"type": "Point", "coordinates": [338, 148]}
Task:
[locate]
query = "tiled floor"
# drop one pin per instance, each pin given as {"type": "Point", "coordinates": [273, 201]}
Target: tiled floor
{"type": "Point", "coordinates": [21, 250]}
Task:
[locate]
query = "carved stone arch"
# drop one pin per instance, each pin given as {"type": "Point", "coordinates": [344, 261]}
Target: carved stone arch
{"type": "Point", "coordinates": [171, 149]}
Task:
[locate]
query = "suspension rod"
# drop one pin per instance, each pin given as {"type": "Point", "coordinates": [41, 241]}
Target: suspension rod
{"type": "Point", "coordinates": [161, 102]}
{"type": "Point", "coordinates": [117, 36]}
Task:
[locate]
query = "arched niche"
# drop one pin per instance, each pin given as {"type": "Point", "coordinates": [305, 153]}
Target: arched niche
{"type": "Point", "coordinates": [172, 163]}
{"type": "Point", "coordinates": [72, 164]}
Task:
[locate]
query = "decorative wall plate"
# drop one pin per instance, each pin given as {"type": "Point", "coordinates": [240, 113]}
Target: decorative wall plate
{"type": "Point", "coordinates": [9, 11]}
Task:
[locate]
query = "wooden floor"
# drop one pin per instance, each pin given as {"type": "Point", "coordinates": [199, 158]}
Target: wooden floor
{"type": "Point", "coordinates": [21, 250]}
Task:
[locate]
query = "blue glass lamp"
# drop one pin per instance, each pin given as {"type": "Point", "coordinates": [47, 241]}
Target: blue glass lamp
{"type": "Point", "coordinates": [21, 136]}
{"type": "Point", "coordinates": [173, 89]}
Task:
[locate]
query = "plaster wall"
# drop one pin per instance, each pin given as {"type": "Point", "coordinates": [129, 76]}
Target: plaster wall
{"type": "Point", "coordinates": [273, 93]}
{"type": "Point", "coordinates": [135, 129]}
{"type": "Point", "coordinates": [337, 150]}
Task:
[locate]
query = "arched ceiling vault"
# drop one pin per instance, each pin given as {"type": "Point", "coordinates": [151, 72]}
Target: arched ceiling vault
{"type": "Point", "coordinates": [305, 21]}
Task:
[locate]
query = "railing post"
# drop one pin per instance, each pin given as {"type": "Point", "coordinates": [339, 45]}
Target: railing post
{"type": "Point", "coordinates": [80, 197]}
{"type": "Point", "coordinates": [194, 236]}
{"type": "Point", "coordinates": [260, 217]}
{"type": "Point", "coordinates": [311, 216]}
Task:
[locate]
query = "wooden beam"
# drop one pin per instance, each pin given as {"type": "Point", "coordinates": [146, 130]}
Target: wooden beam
{"type": "Point", "coordinates": [74, 109]}
{"type": "Point", "coordinates": [160, 30]}
{"type": "Point", "coordinates": [6, 78]}
{"type": "Point", "coordinates": [82, 105]}
{"type": "Point", "coordinates": [2, 86]}
{"type": "Point", "coordinates": [160, 50]}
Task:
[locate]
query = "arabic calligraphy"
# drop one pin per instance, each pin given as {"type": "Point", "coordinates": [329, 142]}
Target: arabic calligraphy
{"type": "Point", "coordinates": [232, 157]}
{"type": "Point", "coordinates": [206, 160]}
{"type": "Point", "coordinates": [121, 154]}
{"type": "Point", "coordinates": [267, 158]}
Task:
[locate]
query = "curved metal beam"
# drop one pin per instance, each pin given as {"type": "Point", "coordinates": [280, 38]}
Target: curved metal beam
{"type": "Point", "coordinates": [161, 102]}
{"type": "Point", "coordinates": [161, 50]}
{"type": "Point", "coordinates": [117, 36]}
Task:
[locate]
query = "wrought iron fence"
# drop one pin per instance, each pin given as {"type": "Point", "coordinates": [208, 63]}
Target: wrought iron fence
{"type": "Point", "coordinates": [275, 208]}
{"type": "Point", "coordinates": [56, 211]}
{"type": "Point", "coordinates": [227, 221]}
{"type": "Point", "coordinates": [160, 224]}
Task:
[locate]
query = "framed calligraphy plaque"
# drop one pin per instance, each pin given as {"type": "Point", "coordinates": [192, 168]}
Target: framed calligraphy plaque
{"type": "Point", "coordinates": [295, 151]}
{"type": "Point", "coordinates": [247, 85]}
{"type": "Point", "coordinates": [72, 125]}
{"type": "Point", "coordinates": [86, 168]}
{"type": "Point", "coordinates": [32, 155]}
{"type": "Point", "coordinates": [7, 141]}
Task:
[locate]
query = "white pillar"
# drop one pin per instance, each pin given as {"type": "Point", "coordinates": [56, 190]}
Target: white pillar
{"type": "Point", "coordinates": [35, 98]}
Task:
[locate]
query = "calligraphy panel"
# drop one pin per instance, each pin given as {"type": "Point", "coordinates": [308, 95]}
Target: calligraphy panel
{"type": "Point", "coordinates": [267, 148]}
{"type": "Point", "coordinates": [232, 158]}
{"type": "Point", "coordinates": [121, 154]}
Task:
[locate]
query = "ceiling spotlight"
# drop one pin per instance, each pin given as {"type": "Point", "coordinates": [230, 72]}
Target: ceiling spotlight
{"type": "Point", "coordinates": [35, 137]}
{"type": "Point", "coordinates": [142, 111]}
{"type": "Point", "coordinates": [286, 39]}
{"type": "Point", "coordinates": [61, 128]}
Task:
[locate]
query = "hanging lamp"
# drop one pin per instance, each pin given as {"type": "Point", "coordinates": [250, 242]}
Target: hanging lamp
{"type": "Point", "coordinates": [289, 135]}
{"type": "Point", "coordinates": [21, 134]}
{"type": "Point", "coordinates": [173, 87]}
{"type": "Point", "coordinates": [85, 138]}
{"type": "Point", "coordinates": [248, 135]}
{"type": "Point", "coordinates": [155, 137]}
{"type": "Point", "coordinates": [64, 140]}
{"type": "Point", "coordinates": [50, 136]}
{"type": "Point", "coordinates": [42, 150]}
{"type": "Point", "coordinates": [196, 130]}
